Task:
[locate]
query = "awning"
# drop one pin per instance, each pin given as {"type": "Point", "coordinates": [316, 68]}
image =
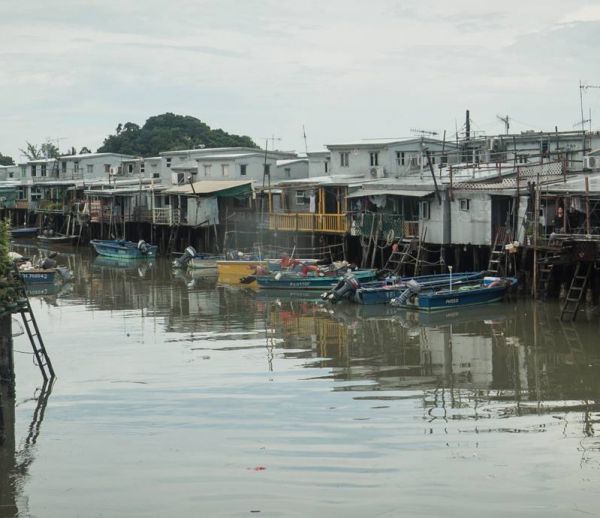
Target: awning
{"type": "Point", "coordinates": [380, 192]}
{"type": "Point", "coordinates": [217, 188]}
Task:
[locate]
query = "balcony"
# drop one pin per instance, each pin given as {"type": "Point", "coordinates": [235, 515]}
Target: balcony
{"type": "Point", "coordinates": [308, 222]}
{"type": "Point", "coordinates": [50, 206]}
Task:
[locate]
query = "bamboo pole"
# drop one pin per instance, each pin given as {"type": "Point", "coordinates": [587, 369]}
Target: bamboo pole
{"type": "Point", "coordinates": [536, 219]}
{"type": "Point", "coordinates": [587, 206]}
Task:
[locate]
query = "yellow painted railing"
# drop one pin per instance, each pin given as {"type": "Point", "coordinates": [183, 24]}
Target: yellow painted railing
{"type": "Point", "coordinates": [308, 222]}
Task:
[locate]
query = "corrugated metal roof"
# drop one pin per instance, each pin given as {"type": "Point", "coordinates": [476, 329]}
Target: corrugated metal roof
{"type": "Point", "coordinates": [207, 187]}
{"type": "Point", "coordinates": [396, 192]}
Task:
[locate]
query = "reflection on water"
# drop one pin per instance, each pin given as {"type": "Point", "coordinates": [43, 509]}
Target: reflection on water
{"type": "Point", "coordinates": [225, 400]}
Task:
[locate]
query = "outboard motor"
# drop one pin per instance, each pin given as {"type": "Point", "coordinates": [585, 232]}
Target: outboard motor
{"type": "Point", "coordinates": [185, 258]}
{"type": "Point", "coordinates": [344, 289]}
{"type": "Point", "coordinates": [47, 263]}
{"type": "Point", "coordinates": [143, 246]}
{"type": "Point", "coordinates": [412, 288]}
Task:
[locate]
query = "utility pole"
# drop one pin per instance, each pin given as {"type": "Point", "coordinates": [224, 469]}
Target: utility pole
{"type": "Point", "coordinates": [583, 87]}
{"type": "Point", "coordinates": [468, 126]}
{"type": "Point", "coordinates": [304, 135]}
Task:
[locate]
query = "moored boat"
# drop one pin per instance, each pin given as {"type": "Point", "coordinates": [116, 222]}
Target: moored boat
{"type": "Point", "coordinates": [18, 232]}
{"type": "Point", "coordinates": [381, 292]}
{"type": "Point", "coordinates": [57, 239]}
{"type": "Point", "coordinates": [124, 249]}
{"type": "Point", "coordinates": [311, 281]}
{"type": "Point", "coordinates": [484, 291]}
{"type": "Point", "coordinates": [197, 261]}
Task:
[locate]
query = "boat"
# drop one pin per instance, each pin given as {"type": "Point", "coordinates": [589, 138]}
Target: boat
{"type": "Point", "coordinates": [318, 280]}
{"type": "Point", "coordinates": [197, 261]}
{"type": "Point", "coordinates": [483, 291]}
{"type": "Point", "coordinates": [381, 292]}
{"type": "Point", "coordinates": [124, 249]}
{"type": "Point", "coordinates": [41, 272]}
{"type": "Point", "coordinates": [18, 232]}
{"type": "Point", "coordinates": [57, 239]}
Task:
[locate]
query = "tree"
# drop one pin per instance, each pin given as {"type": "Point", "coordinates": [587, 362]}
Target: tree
{"type": "Point", "coordinates": [32, 151]}
{"type": "Point", "coordinates": [84, 151]}
{"type": "Point", "coordinates": [45, 150]}
{"type": "Point", "coordinates": [6, 160]}
{"type": "Point", "coordinates": [169, 132]}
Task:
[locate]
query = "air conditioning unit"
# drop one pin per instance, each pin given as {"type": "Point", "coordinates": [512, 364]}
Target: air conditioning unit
{"type": "Point", "coordinates": [591, 162]}
{"type": "Point", "coordinates": [377, 172]}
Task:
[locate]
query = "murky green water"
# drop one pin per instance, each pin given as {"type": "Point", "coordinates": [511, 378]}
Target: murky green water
{"type": "Point", "coordinates": [180, 397]}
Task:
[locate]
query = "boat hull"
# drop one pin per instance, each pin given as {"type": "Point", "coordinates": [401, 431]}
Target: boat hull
{"type": "Point", "coordinates": [123, 249]}
{"type": "Point", "coordinates": [36, 277]}
{"type": "Point", "coordinates": [16, 233]}
{"type": "Point", "coordinates": [300, 282]}
{"type": "Point", "coordinates": [238, 269]}
{"type": "Point", "coordinates": [384, 292]}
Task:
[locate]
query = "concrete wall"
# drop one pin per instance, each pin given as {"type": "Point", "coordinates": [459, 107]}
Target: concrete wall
{"type": "Point", "coordinates": [472, 226]}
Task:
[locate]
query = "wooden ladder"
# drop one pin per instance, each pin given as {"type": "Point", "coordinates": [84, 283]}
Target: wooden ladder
{"type": "Point", "coordinates": [545, 267]}
{"type": "Point", "coordinates": [576, 292]}
{"type": "Point", "coordinates": [498, 252]}
{"type": "Point", "coordinates": [397, 259]}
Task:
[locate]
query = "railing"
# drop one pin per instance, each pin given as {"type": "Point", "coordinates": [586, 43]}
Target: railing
{"type": "Point", "coordinates": [410, 229]}
{"type": "Point", "coordinates": [50, 206]}
{"type": "Point", "coordinates": [166, 216]}
{"type": "Point", "coordinates": [308, 222]}
{"type": "Point", "coordinates": [22, 204]}
{"type": "Point", "coordinates": [53, 177]}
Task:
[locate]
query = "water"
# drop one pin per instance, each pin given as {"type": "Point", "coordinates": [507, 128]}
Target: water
{"type": "Point", "coordinates": [178, 396]}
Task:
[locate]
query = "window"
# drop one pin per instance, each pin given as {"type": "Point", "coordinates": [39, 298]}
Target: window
{"type": "Point", "coordinates": [107, 168]}
{"type": "Point", "coordinates": [63, 166]}
{"type": "Point", "coordinates": [180, 178]}
{"type": "Point", "coordinates": [33, 170]}
{"type": "Point", "coordinates": [432, 159]}
{"type": "Point", "coordinates": [300, 198]}
{"type": "Point", "coordinates": [288, 172]}
{"type": "Point", "coordinates": [243, 169]}
{"type": "Point", "coordinates": [374, 158]}
{"type": "Point", "coordinates": [326, 166]}
{"type": "Point", "coordinates": [169, 163]}
{"type": "Point", "coordinates": [344, 159]}
{"type": "Point", "coordinates": [424, 206]}
{"type": "Point", "coordinates": [36, 194]}
{"type": "Point", "coordinates": [142, 167]}
{"type": "Point", "coordinates": [207, 169]}
{"type": "Point", "coordinates": [225, 169]}
{"type": "Point", "coordinates": [130, 168]}
{"type": "Point", "coordinates": [465, 204]}
{"type": "Point", "coordinates": [444, 159]}
{"type": "Point", "coordinates": [400, 157]}
{"type": "Point", "coordinates": [11, 174]}
{"type": "Point", "coordinates": [90, 169]}
{"type": "Point", "coordinates": [43, 169]}
{"type": "Point", "coordinates": [155, 175]}
{"type": "Point", "coordinates": [23, 171]}
{"type": "Point", "coordinates": [21, 193]}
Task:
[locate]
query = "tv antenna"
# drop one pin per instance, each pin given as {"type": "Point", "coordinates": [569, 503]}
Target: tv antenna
{"type": "Point", "coordinates": [506, 122]}
{"type": "Point", "coordinates": [423, 133]}
{"type": "Point", "coordinates": [273, 139]}
{"type": "Point", "coordinates": [583, 87]}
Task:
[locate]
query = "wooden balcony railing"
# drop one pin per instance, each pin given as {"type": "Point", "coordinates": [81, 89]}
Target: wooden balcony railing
{"type": "Point", "coordinates": [166, 216]}
{"type": "Point", "coordinates": [22, 204]}
{"type": "Point", "coordinates": [308, 222]}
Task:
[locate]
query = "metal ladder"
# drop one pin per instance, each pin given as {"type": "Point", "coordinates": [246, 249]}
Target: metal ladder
{"type": "Point", "coordinates": [42, 359]}
{"type": "Point", "coordinates": [576, 292]}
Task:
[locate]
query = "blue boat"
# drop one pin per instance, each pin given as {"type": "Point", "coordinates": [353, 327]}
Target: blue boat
{"type": "Point", "coordinates": [311, 281]}
{"type": "Point", "coordinates": [381, 292]}
{"type": "Point", "coordinates": [24, 232]}
{"type": "Point", "coordinates": [484, 291]}
{"type": "Point", "coordinates": [124, 249]}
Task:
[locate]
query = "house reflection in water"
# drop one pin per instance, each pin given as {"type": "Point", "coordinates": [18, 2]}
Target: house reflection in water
{"type": "Point", "coordinates": [501, 352]}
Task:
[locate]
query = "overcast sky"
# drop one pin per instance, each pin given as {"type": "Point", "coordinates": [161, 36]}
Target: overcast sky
{"type": "Point", "coordinates": [345, 69]}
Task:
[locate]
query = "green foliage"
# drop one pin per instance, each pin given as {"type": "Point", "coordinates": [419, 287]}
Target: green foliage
{"type": "Point", "coordinates": [6, 160]}
{"type": "Point", "coordinates": [169, 132]}
{"type": "Point", "coordinates": [45, 150]}
{"type": "Point", "coordinates": [8, 285]}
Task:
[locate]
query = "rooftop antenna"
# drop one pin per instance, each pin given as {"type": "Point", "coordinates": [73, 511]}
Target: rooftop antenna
{"type": "Point", "coordinates": [422, 133]}
{"type": "Point", "coordinates": [583, 87]}
{"type": "Point", "coordinates": [304, 135]}
{"type": "Point", "coordinates": [506, 122]}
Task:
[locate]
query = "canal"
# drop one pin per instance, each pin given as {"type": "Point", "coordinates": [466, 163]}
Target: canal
{"type": "Point", "coordinates": [180, 396]}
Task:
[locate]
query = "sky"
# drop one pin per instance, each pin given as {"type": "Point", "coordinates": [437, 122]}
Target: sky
{"type": "Point", "coordinates": [345, 70]}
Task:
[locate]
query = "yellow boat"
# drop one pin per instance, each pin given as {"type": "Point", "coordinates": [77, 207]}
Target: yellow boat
{"type": "Point", "coordinates": [235, 270]}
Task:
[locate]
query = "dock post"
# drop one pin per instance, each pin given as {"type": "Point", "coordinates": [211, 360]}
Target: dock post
{"type": "Point", "coordinates": [7, 365]}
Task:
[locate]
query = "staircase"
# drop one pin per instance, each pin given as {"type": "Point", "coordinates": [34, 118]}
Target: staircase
{"type": "Point", "coordinates": [576, 292]}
